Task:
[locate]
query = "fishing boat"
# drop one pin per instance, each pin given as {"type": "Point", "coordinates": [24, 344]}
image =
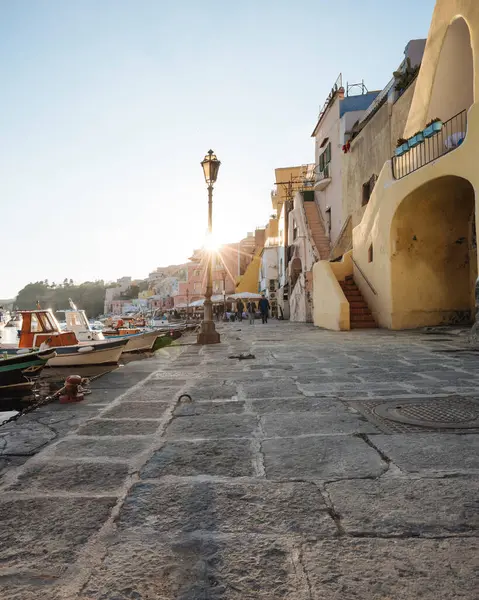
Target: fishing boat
{"type": "Point", "coordinates": [18, 371]}
{"type": "Point", "coordinates": [136, 339]}
{"type": "Point", "coordinates": [41, 330]}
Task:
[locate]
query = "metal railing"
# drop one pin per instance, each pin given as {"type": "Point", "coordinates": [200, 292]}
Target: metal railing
{"type": "Point", "coordinates": [324, 174]}
{"type": "Point", "coordinates": [364, 277]}
{"type": "Point", "coordinates": [450, 137]}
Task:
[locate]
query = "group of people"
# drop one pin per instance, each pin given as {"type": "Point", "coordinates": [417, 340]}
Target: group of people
{"type": "Point", "coordinates": [250, 312]}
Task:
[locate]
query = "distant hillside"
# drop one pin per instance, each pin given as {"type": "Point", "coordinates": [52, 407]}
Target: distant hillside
{"type": "Point", "coordinates": [7, 303]}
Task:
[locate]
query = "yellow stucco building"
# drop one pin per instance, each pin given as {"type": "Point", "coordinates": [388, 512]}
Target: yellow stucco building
{"type": "Point", "coordinates": [414, 252]}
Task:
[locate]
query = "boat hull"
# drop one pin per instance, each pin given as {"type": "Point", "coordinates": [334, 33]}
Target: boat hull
{"type": "Point", "coordinates": [17, 371]}
{"type": "Point", "coordinates": [138, 342]}
{"type": "Point", "coordinates": [81, 355]}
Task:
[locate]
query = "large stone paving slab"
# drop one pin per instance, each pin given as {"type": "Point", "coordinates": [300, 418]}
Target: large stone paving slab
{"type": "Point", "coordinates": [407, 507]}
{"type": "Point", "coordinates": [212, 426]}
{"type": "Point", "coordinates": [192, 568]}
{"type": "Point", "coordinates": [100, 427]}
{"type": "Point", "coordinates": [335, 420]}
{"type": "Point", "coordinates": [24, 438]}
{"type": "Point", "coordinates": [211, 390]}
{"type": "Point", "coordinates": [270, 388]}
{"type": "Point", "coordinates": [208, 408]}
{"type": "Point", "coordinates": [321, 457]}
{"type": "Point", "coordinates": [260, 508]}
{"type": "Point", "coordinates": [47, 532]}
{"type": "Point", "coordinates": [154, 392]}
{"type": "Point", "coordinates": [294, 404]}
{"type": "Point", "coordinates": [72, 477]}
{"type": "Point", "coordinates": [229, 458]}
{"type": "Point", "coordinates": [137, 410]}
{"type": "Point", "coordinates": [86, 447]}
{"type": "Point", "coordinates": [392, 569]}
{"type": "Point", "coordinates": [431, 452]}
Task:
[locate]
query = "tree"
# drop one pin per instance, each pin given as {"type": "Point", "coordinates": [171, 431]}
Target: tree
{"type": "Point", "coordinates": [90, 296]}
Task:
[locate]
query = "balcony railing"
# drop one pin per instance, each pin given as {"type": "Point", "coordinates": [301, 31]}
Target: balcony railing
{"type": "Point", "coordinates": [323, 178]}
{"type": "Point", "coordinates": [448, 138]}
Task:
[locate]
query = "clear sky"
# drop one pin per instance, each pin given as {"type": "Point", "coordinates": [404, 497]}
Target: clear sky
{"type": "Point", "coordinates": [108, 107]}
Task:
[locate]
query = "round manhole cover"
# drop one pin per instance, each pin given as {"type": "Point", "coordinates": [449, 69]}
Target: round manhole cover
{"type": "Point", "coordinates": [433, 414]}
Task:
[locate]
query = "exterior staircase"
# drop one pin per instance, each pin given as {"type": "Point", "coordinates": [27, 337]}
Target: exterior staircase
{"type": "Point", "coordinates": [317, 230]}
{"type": "Point", "coordinates": [360, 314]}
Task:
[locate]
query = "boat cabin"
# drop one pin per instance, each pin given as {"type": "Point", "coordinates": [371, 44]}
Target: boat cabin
{"type": "Point", "coordinates": [39, 326]}
{"type": "Point", "coordinates": [77, 322]}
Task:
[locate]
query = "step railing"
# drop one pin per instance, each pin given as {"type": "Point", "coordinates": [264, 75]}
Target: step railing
{"type": "Point", "coordinates": [447, 139]}
{"type": "Point", "coordinates": [364, 277]}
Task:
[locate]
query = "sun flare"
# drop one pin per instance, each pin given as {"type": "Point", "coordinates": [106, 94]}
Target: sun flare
{"type": "Point", "coordinates": [211, 243]}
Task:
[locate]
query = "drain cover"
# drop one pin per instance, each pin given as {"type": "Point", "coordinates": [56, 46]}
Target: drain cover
{"type": "Point", "coordinates": [451, 413]}
{"type": "Point", "coordinates": [434, 414]}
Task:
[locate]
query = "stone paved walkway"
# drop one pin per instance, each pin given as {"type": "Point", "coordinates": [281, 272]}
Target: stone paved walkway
{"type": "Point", "coordinates": [279, 480]}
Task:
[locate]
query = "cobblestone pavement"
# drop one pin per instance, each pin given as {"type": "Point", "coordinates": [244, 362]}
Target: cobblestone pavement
{"type": "Point", "coordinates": [313, 471]}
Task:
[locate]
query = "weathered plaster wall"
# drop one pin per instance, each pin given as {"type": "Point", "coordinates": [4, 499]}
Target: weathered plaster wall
{"type": "Point", "coordinates": [444, 13]}
{"type": "Point", "coordinates": [430, 260]}
{"type": "Point", "coordinates": [375, 227]}
{"type": "Point", "coordinates": [330, 306]}
{"type": "Point", "coordinates": [370, 150]}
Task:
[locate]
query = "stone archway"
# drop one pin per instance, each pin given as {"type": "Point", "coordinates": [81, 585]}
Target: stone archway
{"type": "Point", "coordinates": [453, 87]}
{"type": "Point", "coordinates": [434, 256]}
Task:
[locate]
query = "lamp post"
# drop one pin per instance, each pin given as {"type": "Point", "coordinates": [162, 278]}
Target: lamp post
{"type": "Point", "coordinates": [224, 292]}
{"type": "Point", "coordinates": [208, 333]}
{"type": "Point", "coordinates": [187, 303]}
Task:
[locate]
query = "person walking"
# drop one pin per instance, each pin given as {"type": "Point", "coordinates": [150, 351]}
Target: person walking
{"type": "Point", "coordinates": [251, 306]}
{"type": "Point", "coordinates": [240, 309]}
{"type": "Point", "coordinates": [264, 308]}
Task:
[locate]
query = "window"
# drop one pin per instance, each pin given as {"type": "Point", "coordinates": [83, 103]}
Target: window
{"type": "Point", "coordinates": [217, 287]}
{"type": "Point", "coordinates": [325, 158]}
{"type": "Point", "coordinates": [370, 254]}
{"type": "Point", "coordinates": [368, 189]}
{"type": "Point", "coordinates": [272, 285]}
{"type": "Point", "coordinates": [197, 287]}
{"type": "Point", "coordinates": [197, 273]}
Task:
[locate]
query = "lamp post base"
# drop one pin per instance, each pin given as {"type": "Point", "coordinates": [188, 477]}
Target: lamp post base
{"type": "Point", "coordinates": [208, 334]}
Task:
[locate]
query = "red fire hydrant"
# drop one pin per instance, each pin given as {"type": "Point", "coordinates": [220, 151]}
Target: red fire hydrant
{"type": "Point", "coordinates": [72, 390]}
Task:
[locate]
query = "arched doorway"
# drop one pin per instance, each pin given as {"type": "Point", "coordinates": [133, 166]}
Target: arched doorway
{"type": "Point", "coordinates": [453, 90]}
{"type": "Point", "coordinates": [296, 270]}
{"type": "Point", "coordinates": [434, 256]}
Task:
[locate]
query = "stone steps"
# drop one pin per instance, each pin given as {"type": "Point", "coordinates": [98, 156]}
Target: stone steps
{"type": "Point", "coordinates": [360, 315]}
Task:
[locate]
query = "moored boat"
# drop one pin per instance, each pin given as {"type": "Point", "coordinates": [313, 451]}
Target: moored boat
{"type": "Point", "coordinates": [40, 330]}
{"type": "Point", "coordinates": [18, 371]}
{"type": "Point", "coordinates": [136, 339]}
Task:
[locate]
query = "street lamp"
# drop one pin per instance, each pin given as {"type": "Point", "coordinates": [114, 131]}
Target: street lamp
{"type": "Point", "coordinates": [208, 333]}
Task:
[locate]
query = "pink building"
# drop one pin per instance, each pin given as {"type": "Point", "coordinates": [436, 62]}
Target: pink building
{"type": "Point", "coordinates": [230, 261]}
{"type": "Point", "coordinates": [160, 302]}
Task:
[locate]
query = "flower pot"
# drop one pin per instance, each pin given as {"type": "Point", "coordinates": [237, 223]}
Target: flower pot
{"type": "Point", "coordinates": [412, 141]}
{"type": "Point", "coordinates": [399, 151]}
{"type": "Point", "coordinates": [420, 137]}
{"type": "Point", "coordinates": [432, 129]}
{"type": "Point", "coordinates": [428, 132]}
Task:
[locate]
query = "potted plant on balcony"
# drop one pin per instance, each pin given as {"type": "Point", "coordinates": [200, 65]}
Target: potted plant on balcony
{"type": "Point", "coordinates": [433, 127]}
{"type": "Point", "coordinates": [416, 139]}
{"type": "Point", "coordinates": [401, 147]}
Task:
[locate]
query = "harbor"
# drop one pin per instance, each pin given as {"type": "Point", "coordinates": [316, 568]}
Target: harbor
{"type": "Point", "coordinates": [254, 468]}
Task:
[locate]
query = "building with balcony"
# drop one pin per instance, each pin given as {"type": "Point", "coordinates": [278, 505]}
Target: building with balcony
{"type": "Point", "coordinates": [336, 120]}
{"type": "Point", "coordinates": [414, 257]}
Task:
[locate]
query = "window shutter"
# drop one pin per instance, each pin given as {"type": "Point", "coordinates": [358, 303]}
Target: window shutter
{"type": "Point", "coordinates": [328, 153]}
